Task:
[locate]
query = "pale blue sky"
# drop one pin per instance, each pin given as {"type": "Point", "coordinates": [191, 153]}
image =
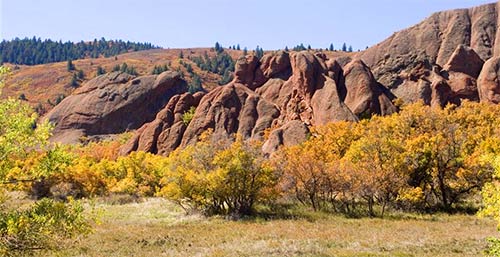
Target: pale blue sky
{"type": "Point", "coordinates": [271, 24]}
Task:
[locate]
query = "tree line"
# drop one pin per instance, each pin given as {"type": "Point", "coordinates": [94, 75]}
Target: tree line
{"type": "Point", "coordinates": [222, 64]}
{"type": "Point", "coordinates": [33, 51]}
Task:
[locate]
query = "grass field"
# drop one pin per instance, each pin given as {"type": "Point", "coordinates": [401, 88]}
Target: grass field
{"type": "Point", "coordinates": [156, 227]}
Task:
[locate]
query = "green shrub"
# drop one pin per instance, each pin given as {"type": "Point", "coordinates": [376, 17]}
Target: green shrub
{"type": "Point", "coordinates": [187, 117]}
{"type": "Point", "coordinates": [42, 226]}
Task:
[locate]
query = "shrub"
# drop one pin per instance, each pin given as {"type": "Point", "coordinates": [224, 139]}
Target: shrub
{"type": "Point", "coordinates": [188, 116]}
{"type": "Point", "coordinates": [44, 225]}
{"type": "Point", "coordinates": [219, 181]}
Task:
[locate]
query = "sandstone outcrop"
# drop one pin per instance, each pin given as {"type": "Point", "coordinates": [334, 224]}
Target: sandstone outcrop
{"type": "Point", "coordinates": [446, 50]}
{"type": "Point", "coordinates": [165, 132]}
{"type": "Point", "coordinates": [489, 81]}
{"type": "Point", "coordinates": [438, 61]}
{"type": "Point", "coordinates": [113, 103]}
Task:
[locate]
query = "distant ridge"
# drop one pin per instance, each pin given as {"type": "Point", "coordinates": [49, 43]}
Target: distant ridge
{"type": "Point", "coordinates": [36, 51]}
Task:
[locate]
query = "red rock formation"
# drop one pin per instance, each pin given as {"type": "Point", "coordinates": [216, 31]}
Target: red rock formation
{"type": "Point", "coordinates": [364, 95]}
{"type": "Point", "coordinates": [113, 103]}
{"type": "Point", "coordinates": [231, 109]}
{"type": "Point", "coordinates": [164, 134]}
{"type": "Point", "coordinates": [456, 40]}
{"type": "Point", "coordinates": [439, 61]}
{"type": "Point", "coordinates": [465, 60]}
{"type": "Point", "coordinates": [489, 81]}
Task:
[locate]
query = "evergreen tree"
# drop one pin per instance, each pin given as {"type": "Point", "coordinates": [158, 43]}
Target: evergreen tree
{"type": "Point", "coordinates": [195, 84]}
{"type": "Point", "coordinates": [350, 49]}
{"type": "Point", "coordinates": [35, 51]}
{"type": "Point", "coordinates": [286, 48]}
{"type": "Point", "coordinates": [238, 47]}
{"type": "Point", "coordinates": [100, 71]}
{"type": "Point", "coordinates": [344, 47]}
{"type": "Point", "coordinates": [124, 67]}
{"type": "Point", "coordinates": [331, 48]}
{"type": "Point", "coordinates": [309, 47]}
{"type": "Point", "coordinates": [259, 52]}
{"type": "Point", "coordinates": [70, 66]}
{"type": "Point", "coordinates": [218, 47]}
{"type": "Point", "coordinates": [22, 97]}
{"type": "Point", "coordinates": [245, 51]}
{"type": "Point", "coordinates": [74, 81]}
{"type": "Point", "coordinates": [181, 55]}
{"type": "Point", "coordinates": [80, 75]}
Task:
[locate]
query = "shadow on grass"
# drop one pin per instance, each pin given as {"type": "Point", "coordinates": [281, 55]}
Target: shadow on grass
{"type": "Point", "coordinates": [297, 211]}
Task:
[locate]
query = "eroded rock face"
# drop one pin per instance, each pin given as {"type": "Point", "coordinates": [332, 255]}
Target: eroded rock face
{"type": "Point", "coordinates": [434, 39]}
{"type": "Point", "coordinates": [448, 48]}
{"type": "Point", "coordinates": [287, 92]}
{"type": "Point", "coordinates": [113, 103]}
{"type": "Point", "coordinates": [164, 133]}
{"type": "Point", "coordinates": [488, 82]}
{"type": "Point", "coordinates": [438, 61]}
{"type": "Point", "coordinates": [465, 60]}
{"type": "Point", "coordinates": [231, 109]}
{"type": "Point", "coordinates": [364, 95]}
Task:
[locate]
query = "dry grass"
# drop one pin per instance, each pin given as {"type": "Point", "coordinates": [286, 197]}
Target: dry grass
{"type": "Point", "coordinates": [158, 228]}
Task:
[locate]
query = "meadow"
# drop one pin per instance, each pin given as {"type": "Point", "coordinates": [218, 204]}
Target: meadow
{"type": "Point", "coordinates": [157, 227]}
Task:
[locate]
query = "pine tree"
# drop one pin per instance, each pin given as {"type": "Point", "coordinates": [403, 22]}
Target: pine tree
{"type": "Point", "coordinates": [350, 49]}
{"type": "Point", "coordinates": [70, 66]}
{"type": "Point", "coordinates": [218, 47]}
{"type": "Point", "coordinates": [100, 71]}
{"type": "Point", "coordinates": [80, 75]}
{"type": "Point", "coordinates": [331, 48]}
{"type": "Point", "coordinates": [124, 67]}
{"type": "Point", "coordinates": [74, 81]}
{"type": "Point", "coordinates": [344, 47]}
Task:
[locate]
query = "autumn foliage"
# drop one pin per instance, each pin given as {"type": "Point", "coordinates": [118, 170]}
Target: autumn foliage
{"type": "Point", "coordinates": [422, 158]}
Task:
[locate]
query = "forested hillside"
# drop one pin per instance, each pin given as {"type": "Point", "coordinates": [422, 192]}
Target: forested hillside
{"type": "Point", "coordinates": [35, 51]}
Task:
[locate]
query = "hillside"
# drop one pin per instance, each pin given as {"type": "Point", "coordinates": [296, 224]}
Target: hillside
{"type": "Point", "coordinates": [35, 51]}
{"type": "Point", "coordinates": [438, 61]}
{"type": "Point", "coordinates": [47, 82]}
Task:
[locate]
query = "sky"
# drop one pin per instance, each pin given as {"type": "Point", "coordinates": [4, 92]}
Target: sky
{"type": "Point", "coordinates": [270, 24]}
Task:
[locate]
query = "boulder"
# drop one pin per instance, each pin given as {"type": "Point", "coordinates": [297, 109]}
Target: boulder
{"type": "Point", "coordinates": [363, 94]}
{"type": "Point", "coordinates": [489, 82]}
{"type": "Point", "coordinates": [292, 133]}
{"type": "Point", "coordinates": [276, 65]}
{"type": "Point", "coordinates": [465, 60]}
{"type": "Point", "coordinates": [247, 72]}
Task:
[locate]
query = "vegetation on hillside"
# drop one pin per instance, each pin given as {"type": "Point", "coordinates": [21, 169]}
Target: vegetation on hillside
{"type": "Point", "coordinates": [35, 51]}
{"type": "Point", "coordinates": [45, 223]}
{"type": "Point", "coordinates": [222, 64]}
{"type": "Point", "coordinates": [422, 160]}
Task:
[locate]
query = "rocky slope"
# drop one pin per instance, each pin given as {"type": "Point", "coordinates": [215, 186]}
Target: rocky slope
{"type": "Point", "coordinates": [283, 92]}
{"type": "Point", "coordinates": [451, 56]}
{"type": "Point", "coordinates": [113, 103]}
{"type": "Point", "coordinates": [439, 59]}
